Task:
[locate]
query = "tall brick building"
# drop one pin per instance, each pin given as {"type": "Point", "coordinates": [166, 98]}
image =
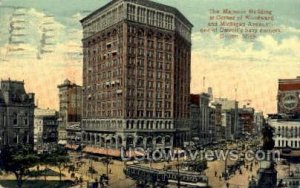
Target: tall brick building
{"type": "Point", "coordinates": [136, 75]}
{"type": "Point", "coordinates": [16, 113]}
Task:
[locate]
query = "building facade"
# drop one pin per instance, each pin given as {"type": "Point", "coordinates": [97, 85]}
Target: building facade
{"type": "Point", "coordinates": [16, 113]}
{"type": "Point", "coordinates": [288, 96]}
{"type": "Point", "coordinates": [218, 129]}
{"type": "Point", "coordinates": [258, 121]}
{"type": "Point", "coordinates": [70, 107]}
{"type": "Point", "coordinates": [230, 118]}
{"type": "Point", "coordinates": [136, 75]}
{"type": "Point", "coordinates": [246, 120]}
{"type": "Point", "coordinates": [45, 129]}
{"type": "Point", "coordinates": [202, 119]}
{"type": "Point", "coordinates": [227, 124]}
{"type": "Point", "coordinates": [74, 133]}
{"type": "Point", "coordinates": [287, 132]}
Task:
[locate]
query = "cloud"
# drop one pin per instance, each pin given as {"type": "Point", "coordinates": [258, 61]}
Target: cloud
{"type": "Point", "coordinates": [42, 75]}
{"type": "Point", "coordinates": [251, 67]}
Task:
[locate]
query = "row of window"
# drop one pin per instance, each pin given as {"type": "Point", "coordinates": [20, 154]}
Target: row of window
{"type": "Point", "coordinates": [105, 20]}
{"type": "Point", "coordinates": [148, 104]}
{"type": "Point", "coordinates": [286, 143]}
{"type": "Point", "coordinates": [151, 44]}
{"type": "Point", "coordinates": [92, 113]}
{"type": "Point", "coordinates": [148, 114]}
{"type": "Point", "coordinates": [140, 52]}
{"type": "Point", "coordinates": [151, 17]}
{"type": "Point", "coordinates": [112, 84]}
{"type": "Point", "coordinates": [139, 62]}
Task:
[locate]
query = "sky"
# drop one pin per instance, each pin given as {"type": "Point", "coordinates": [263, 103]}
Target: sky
{"type": "Point", "coordinates": [40, 43]}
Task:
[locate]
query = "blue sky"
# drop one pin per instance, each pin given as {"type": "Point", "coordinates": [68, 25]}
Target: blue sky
{"type": "Point", "coordinates": [252, 67]}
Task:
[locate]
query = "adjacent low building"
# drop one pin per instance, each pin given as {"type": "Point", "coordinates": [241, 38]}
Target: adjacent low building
{"type": "Point", "coordinates": [70, 106]}
{"type": "Point", "coordinates": [73, 135]}
{"type": "Point", "coordinates": [16, 113]}
{"type": "Point", "coordinates": [45, 129]}
{"type": "Point", "coordinates": [287, 131]}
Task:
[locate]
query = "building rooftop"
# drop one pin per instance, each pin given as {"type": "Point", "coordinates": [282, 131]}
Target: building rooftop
{"type": "Point", "coordinates": [68, 83]}
{"type": "Point", "coordinates": [44, 112]}
{"type": "Point", "coordinates": [13, 91]}
{"type": "Point", "coordinates": [148, 3]}
{"type": "Point", "coordinates": [289, 84]}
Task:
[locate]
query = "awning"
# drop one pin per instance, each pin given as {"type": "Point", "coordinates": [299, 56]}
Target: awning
{"type": "Point", "coordinates": [72, 146]}
{"type": "Point", "coordinates": [293, 153]}
{"type": "Point", "coordinates": [110, 151]}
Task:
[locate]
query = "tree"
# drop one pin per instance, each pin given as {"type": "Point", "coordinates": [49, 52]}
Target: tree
{"type": "Point", "coordinates": [18, 159]}
{"type": "Point", "coordinates": [58, 158]}
{"type": "Point", "coordinates": [268, 141]}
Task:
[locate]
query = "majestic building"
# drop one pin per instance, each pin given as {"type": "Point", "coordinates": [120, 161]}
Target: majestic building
{"type": "Point", "coordinates": [70, 106]}
{"type": "Point", "coordinates": [45, 129]}
{"type": "Point", "coordinates": [136, 75]}
{"type": "Point", "coordinates": [288, 96]}
{"type": "Point", "coordinates": [16, 113]}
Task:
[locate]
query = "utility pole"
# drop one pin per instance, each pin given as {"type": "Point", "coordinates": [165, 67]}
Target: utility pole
{"type": "Point", "coordinates": [106, 159]}
{"type": "Point", "coordinates": [203, 84]}
{"type": "Point", "coordinates": [178, 172]}
{"type": "Point", "coordinates": [225, 169]}
{"type": "Point", "coordinates": [107, 162]}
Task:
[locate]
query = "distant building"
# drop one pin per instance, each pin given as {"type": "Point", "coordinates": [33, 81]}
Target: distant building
{"type": "Point", "coordinates": [288, 99]}
{"type": "Point", "coordinates": [227, 123]}
{"type": "Point", "coordinates": [218, 129]}
{"type": "Point", "coordinates": [258, 122]}
{"type": "Point", "coordinates": [16, 113]}
{"type": "Point", "coordinates": [70, 106]}
{"type": "Point", "coordinates": [230, 118]}
{"type": "Point", "coordinates": [246, 120]}
{"type": "Point", "coordinates": [136, 75]}
{"type": "Point", "coordinates": [45, 129]}
{"type": "Point", "coordinates": [202, 119]}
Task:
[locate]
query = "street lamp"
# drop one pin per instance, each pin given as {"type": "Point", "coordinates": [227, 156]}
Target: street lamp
{"type": "Point", "coordinates": [225, 166]}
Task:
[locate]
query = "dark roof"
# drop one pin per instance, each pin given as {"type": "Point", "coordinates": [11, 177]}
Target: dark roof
{"type": "Point", "coordinates": [148, 3]}
{"type": "Point", "coordinates": [289, 86]}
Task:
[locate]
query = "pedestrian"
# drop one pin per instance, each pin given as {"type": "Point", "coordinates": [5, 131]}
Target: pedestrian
{"type": "Point", "coordinates": [216, 173]}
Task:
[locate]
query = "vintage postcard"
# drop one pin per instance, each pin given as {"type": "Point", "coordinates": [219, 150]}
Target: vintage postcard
{"type": "Point", "coordinates": [149, 93]}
